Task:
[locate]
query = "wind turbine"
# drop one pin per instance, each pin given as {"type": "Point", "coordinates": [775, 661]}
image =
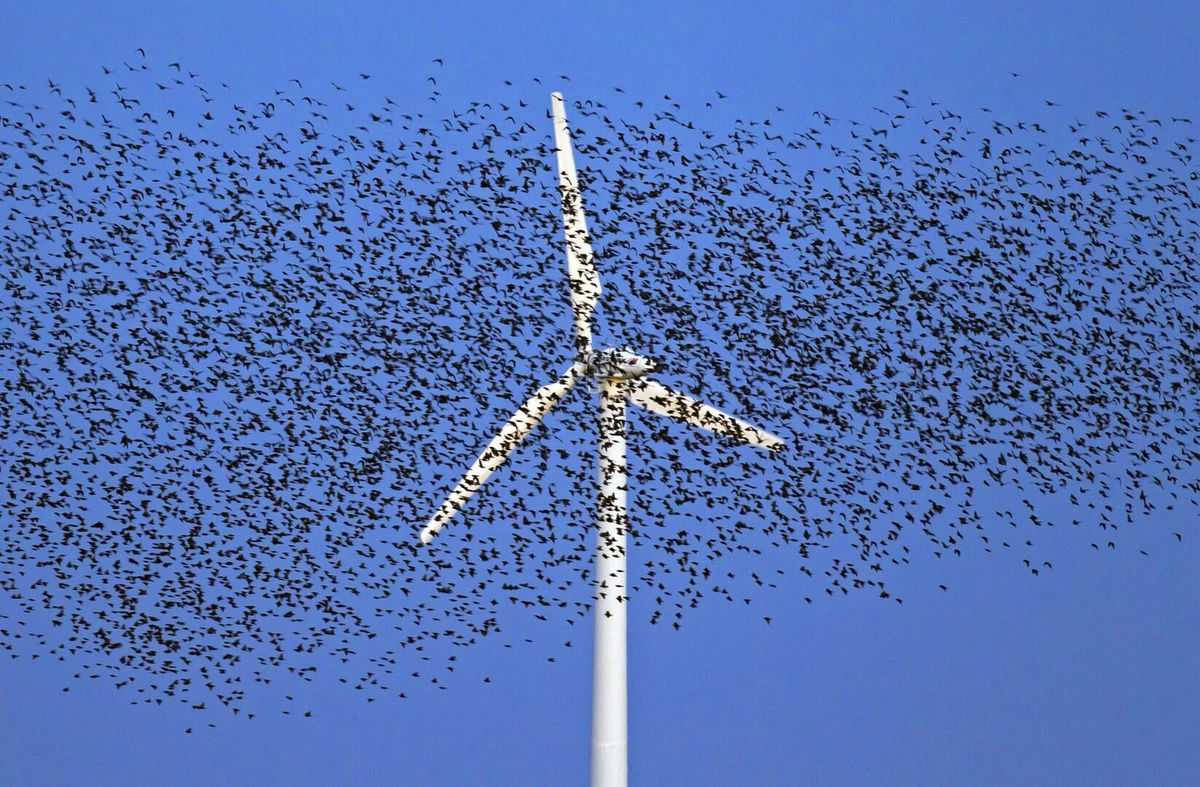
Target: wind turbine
{"type": "Point", "coordinates": [620, 375]}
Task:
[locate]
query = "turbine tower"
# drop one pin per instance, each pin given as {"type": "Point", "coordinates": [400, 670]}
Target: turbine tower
{"type": "Point", "coordinates": [620, 376]}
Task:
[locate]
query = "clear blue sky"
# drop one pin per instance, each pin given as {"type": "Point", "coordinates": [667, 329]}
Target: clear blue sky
{"type": "Point", "coordinates": [1086, 674]}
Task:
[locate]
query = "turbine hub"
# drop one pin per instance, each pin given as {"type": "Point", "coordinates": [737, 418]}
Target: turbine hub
{"type": "Point", "coordinates": [620, 364]}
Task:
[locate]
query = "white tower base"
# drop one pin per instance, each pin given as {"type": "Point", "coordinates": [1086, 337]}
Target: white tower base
{"type": "Point", "coordinates": [610, 730]}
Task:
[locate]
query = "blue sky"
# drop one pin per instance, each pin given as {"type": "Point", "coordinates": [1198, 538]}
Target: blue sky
{"type": "Point", "coordinates": [1083, 675]}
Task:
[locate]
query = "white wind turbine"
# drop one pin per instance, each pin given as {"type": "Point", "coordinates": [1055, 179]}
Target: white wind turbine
{"type": "Point", "coordinates": [620, 375]}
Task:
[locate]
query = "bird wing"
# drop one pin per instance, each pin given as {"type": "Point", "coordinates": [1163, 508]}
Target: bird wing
{"type": "Point", "coordinates": [657, 398]}
{"type": "Point", "coordinates": [581, 266]}
{"type": "Point", "coordinates": [524, 419]}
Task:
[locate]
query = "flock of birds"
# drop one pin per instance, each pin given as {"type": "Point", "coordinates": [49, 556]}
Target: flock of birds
{"type": "Point", "coordinates": [246, 348]}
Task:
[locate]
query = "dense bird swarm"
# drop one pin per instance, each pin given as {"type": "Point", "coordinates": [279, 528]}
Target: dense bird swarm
{"type": "Point", "coordinates": [248, 346]}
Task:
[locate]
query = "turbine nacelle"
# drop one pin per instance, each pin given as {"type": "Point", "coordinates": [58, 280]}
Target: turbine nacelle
{"type": "Point", "coordinates": [621, 364]}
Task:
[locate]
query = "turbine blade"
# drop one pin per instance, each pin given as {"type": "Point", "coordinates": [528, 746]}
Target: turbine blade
{"type": "Point", "coordinates": [581, 266]}
{"type": "Point", "coordinates": [528, 416]}
{"type": "Point", "coordinates": [657, 398]}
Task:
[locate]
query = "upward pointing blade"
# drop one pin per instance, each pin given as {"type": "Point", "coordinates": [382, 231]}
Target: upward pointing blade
{"type": "Point", "coordinates": [581, 267]}
{"type": "Point", "coordinates": [528, 416]}
{"type": "Point", "coordinates": [659, 399]}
